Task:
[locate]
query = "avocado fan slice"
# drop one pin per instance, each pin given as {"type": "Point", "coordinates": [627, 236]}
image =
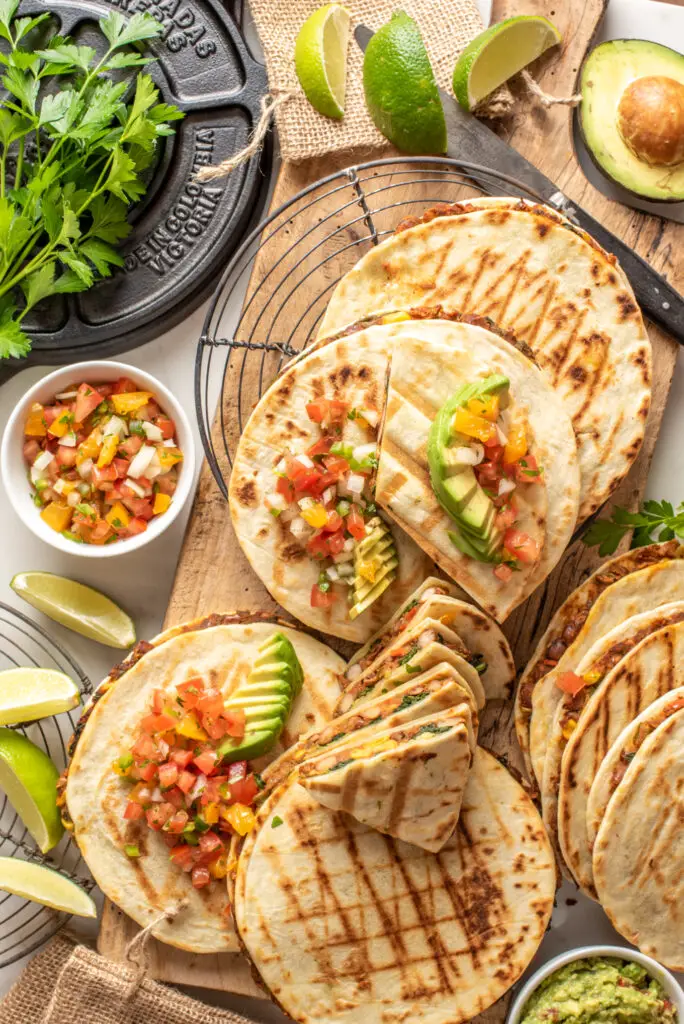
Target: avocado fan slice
{"type": "Point", "coordinates": [375, 562]}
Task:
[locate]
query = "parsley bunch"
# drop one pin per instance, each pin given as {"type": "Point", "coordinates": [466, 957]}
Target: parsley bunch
{"type": "Point", "coordinates": [72, 151]}
{"type": "Point", "coordinates": [657, 521]}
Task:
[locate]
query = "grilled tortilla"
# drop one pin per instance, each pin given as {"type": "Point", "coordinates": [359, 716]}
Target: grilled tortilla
{"type": "Point", "coordinates": [650, 670]}
{"type": "Point", "coordinates": [639, 850]}
{"type": "Point", "coordinates": [342, 922]}
{"type": "Point", "coordinates": [220, 648]}
{"type": "Point", "coordinates": [429, 365]}
{"type": "Point", "coordinates": [407, 782]}
{"type": "Point", "coordinates": [439, 599]}
{"type": "Point", "coordinates": [534, 274]}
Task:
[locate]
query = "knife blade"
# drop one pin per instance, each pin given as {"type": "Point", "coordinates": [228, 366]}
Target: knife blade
{"type": "Point", "coordinates": [478, 148]}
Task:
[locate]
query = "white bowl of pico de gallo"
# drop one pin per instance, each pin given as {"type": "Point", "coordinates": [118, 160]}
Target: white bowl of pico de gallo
{"type": "Point", "coordinates": [98, 459]}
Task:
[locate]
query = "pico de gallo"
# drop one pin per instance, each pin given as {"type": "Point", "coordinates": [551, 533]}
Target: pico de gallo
{"type": "Point", "coordinates": [180, 785]}
{"type": "Point", "coordinates": [103, 461]}
{"type": "Point", "coordinates": [324, 497]}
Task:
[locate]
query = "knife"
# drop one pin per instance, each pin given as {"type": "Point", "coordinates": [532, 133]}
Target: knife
{"type": "Point", "coordinates": [469, 139]}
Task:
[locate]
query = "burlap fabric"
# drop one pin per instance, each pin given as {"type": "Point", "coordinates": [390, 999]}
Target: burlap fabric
{"type": "Point", "coordinates": [446, 25]}
{"type": "Point", "coordinates": [68, 984]}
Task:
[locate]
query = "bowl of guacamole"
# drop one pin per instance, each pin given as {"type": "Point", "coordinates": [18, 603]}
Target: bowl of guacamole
{"type": "Point", "coordinates": [600, 985]}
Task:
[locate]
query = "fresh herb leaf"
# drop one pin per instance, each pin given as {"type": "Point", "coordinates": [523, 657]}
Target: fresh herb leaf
{"type": "Point", "coordinates": [276, 821]}
{"type": "Point", "coordinates": [654, 522]}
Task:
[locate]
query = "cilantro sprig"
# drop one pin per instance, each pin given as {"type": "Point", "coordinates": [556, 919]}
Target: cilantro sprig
{"type": "Point", "coordinates": [73, 148]}
{"type": "Point", "coordinates": [656, 521]}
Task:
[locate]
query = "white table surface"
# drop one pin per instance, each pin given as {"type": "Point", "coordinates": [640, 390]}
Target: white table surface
{"type": "Point", "coordinates": [142, 582]}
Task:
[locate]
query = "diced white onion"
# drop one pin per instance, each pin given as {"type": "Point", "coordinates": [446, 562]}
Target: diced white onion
{"type": "Point", "coordinates": [198, 788]}
{"type": "Point", "coordinates": [152, 472]}
{"type": "Point", "coordinates": [342, 489]}
{"type": "Point", "coordinates": [364, 451]}
{"type": "Point", "coordinates": [83, 489]}
{"type": "Point", "coordinates": [305, 461]}
{"type": "Point", "coordinates": [468, 456]}
{"type": "Point", "coordinates": [353, 672]}
{"type": "Point", "coordinates": [349, 544]}
{"type": "Point", "coordinates": [157, 796]}
{"type": "Point", "coordinates": [356, 483]}
{"type": "Point", "coordinates": [37, 475]}
{"type": "Point", "coordinates": [280, 468]}
{"type": "Point", "coordinates": [371, 417]}
{"type": "Point", "coordinates": [163, 747]}
{"type": "Point", "coordinates": [345, 569]}
{"type": "Point", "coordinates": [288, 514]}
{"type": "Point", "coordinates": [145, 794]}
{"type": "Point", "coordinates": [306, 503]}
{"type": "Point", "coordinates": [73, 499]}
{"type": "Point", "coordinates": [43, 460]}
{"type": "Point", "coordinates": [58, 486]}
{"type": "Point", "coordinates": [344, 556]}
{"type": "Point", "coordinates": [66, 394]}
{"type": "Point", "coordinates": [69, 440]}
{"type": "Point", "coordinates": [276, 500]}
{"type": "Point", "coordinates": [332, 574]}
{"type": "Point", "coordinates": [300, 527]}
{"type": "Point", "coordinates": [503, 439]}
{"type": "Point", "coordinates": [141, 461]}
{"type": "Point", "coordinates": [136, 488]}
{"type": "Point", "coordinates": [428, 637]}
{"type": "Point", "coordinates": [169, 443]}
{"type": "Point", "coordinates": [152, 432]}
{"type": "Point", "coordinates": [328, 495]}
{"type": "Point", "coordinates": [85, 469]}
{"type": "Point", "coordinates": [506, 486]}
{"type": "Point", "coordinates": [115, 425]}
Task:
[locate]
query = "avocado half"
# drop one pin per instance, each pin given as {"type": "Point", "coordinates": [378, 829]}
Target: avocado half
{"type": "Point", "coordinates": [632, 116]}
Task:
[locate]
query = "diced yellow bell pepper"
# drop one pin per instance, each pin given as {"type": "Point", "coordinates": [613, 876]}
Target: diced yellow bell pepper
{"type": "Point", "coordinates": [516, 447]}
{"type": "Point", "coordinates": [118, 516]}
{"type": "Point", "coordinates": [219, 867]}
{"type": "Point", "coordinates": [487, 407]}
{"type": "Point", "coordinates": [568, 729]}
{"type": "Point", "coordinates": [168, 457]}
{"type": "Point", "coordinates": [56, 516]}
{"type": "Point", "coordinates": [465, 422]}
{"type": "Point", "coordinates": [67, 487]}
{"type": "Point", "coordinates": [35, 422]}
{"type": "Point", "coordinates": [369, 569]}
{"type": "Point", "coordinates": [592, 678]}
{"type": "Point", "coordinates": [374, 747]}
{"type": "Point", "coordinates": [190, 727]}
{"type": "Point", "coordinates": [315, 516]}
{"type": "Point", "coordinates": [161, 503]}
{"type": "Point", "coordinates": [240, 817]}
{"type": "Point", "coordinates": [211, 813]}
{"type": "Point", "coordinates": [130, 401]}
{"type": "Point", "coordinates": [62, 424]}
{"type": "Point", "coordinates": [394, 318]}
{"type": "Point", "coordinates": [90, 448]}
{"type": "Point", "coordinates": [108, 450]}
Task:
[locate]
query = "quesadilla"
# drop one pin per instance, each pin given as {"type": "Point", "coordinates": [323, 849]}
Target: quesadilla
{"type": "Point", "coordinates": [650, 670]}
{"type": "Point", "coordinates": [618, 759]}
{"type": "Point", "coordinates": [366, 922]}
{"type": "Point", "coordinates": [554, 287]}
{"type": "Point", "coordinates": [648, 588]}
{"type": "Point", "coordinates": [567, 623]}
{"type": "Point", "coordinates": [128, 853]}
{"type": "Point", "coordinates": [406, 782]}
{"type": "Point", "coordinates": [639, 850]}
{"type": "Point", "coordinates": [440, 599]}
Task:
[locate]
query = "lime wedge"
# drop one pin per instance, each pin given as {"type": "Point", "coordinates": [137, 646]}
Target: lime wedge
{"type": "Point", "coordinates": [498, 53]}
{"type": "Point", "coordinates": [30, 693]}
{"type": "Point", "coordinates": [400, 87]}
{"type": "Point", "coordinates": [321, 59]}
{"type": "Point", "coordinates": [29, 778]}
{"type": "Point", "coordinates": [43, 885]}
{"type": "Point", "coordinates": [77, 607]}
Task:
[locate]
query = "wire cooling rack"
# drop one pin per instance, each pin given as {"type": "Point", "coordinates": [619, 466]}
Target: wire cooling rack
{"type": "Point", "coordinates": [292, 261]}
{"type": "Point", "coordinates": [25, 925]}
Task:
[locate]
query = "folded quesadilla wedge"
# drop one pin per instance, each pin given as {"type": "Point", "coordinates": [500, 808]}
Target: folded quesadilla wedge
{"type": "Point", "coordinates": [650, 670]}
{"type": "Point", "coordinates": [496, 516]}
{"type": "Point", "coordinates": [442, 600]}
{"type": "Point", "coordinates": [406, 782]}
{"type": "Point", "coordinates": [639, 849]}
{"type": "Point", "coordinates": [534, 274]}
{"type": "Point", "coordinates": [618, 759]}
{"type": "Point", "coordinates": [129, 860]}
{"type": "Point", "coordinates": [567, 623]}
{"type": "Point", "coordinates": [397, 925]}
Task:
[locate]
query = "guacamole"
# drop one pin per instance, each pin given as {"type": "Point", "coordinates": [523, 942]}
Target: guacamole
{"type": "Point", "coordinates": [599, 990]}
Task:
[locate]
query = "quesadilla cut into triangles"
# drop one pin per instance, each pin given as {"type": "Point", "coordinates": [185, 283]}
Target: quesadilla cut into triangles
{"type": "Point", "coordinates": [639, 850]}
{"type": "Point", "coordinates": [489, 652]}
{"type": "Point", "coordinates": [477, 462]}
{"type": "Point", "coordinates": [407, 782]}
{"type": "Point", "coordinates": [648, 672]}
{"type": "Point", "coordinates": [567, 623]}
{"type": "Point", "coordinates": [342, 922]}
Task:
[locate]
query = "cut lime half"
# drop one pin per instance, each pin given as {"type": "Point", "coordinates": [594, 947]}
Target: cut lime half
{"type": "Point", "coordinates": [43, 885]}
{"type": "Point", "coordinates": [321, 59]}
{"type": "Point", "coordinates": [76, 606]}
{"type": "Point", "coordinates": [27, 694]}
{"type": "Point", "coordinates": [29, 778]}
{"type": "Point", "coordinates": [498, 53]}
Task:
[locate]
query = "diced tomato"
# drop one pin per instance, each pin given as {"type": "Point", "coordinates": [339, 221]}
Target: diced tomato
{"type": "Point", "coordinates": [123, 385]}
{"type": "Point", "coordinates": [167, 427]}
{"type": "Point", "coordinates": [237, 771]}
{"type": "Point", "coordinates": [211, 702]}
{"type": "Point", "coordinates": [335, 522]}
{"type": "Point", "coordinates": [144, 749]}
{"type": "Point", "coordinates": [133, 811]}
{"type": "Point", "coordinates": [214, 726]}
{"type": "Point", "coordinates": [131, 445]}
{"type": "Point", "coordinates": [527, 470]}
{"type": "Point", "coordinates": [102, 474]}
{"type": "Point", "coordinates": [318, 410]}
{"type": "Point", "coordinates": [101, 532]}
{"type": "Point", "coordinates": [337, 411]}
{"type": "Point", "coordinates": [186, 780]}
{"type": "Point", "coordinates": [51, 412]}
{"type": "Point", "coordinates": [355, 523]}
{"type": "Point", "coordinates": [303, 477]}
{"type": "Point", "coordinates": [320, 447]}
{"type": "Point", "coordinates": [320, 599]}
{"type": "Point", "coordinates": [66, 456]}
{"type": "Point", "coordinates": [87, 401]}
{"type": "Point", "coordinates": [210, 843]}
{"type": "Point", "coordinates": [166, 484]}
{"type": "Point", "coordinates": [206, 761]}
{"type": "Point", "coordinates": [318, 546]}
{"type": "Point", "coordinates": [181, 757]}
{"type": "Point", "coordinates": [177, 822]}
{"type": "Point", "coordinates": [521, 546]}
{"type": "Point", "coordinates": [337, 465]}
{"type": "Point", "coordinates": [158, 815]}
{"type": "Point", "coordinates": [183, 857]}
{"type": "Point", "coordinates": [147, 771]}
{"type": "Point", "coordinates": [505, 518]}
{"type": "Point", "coordinates": [235, 723]}
{"type": "Point", "coordinates": [176, 797]}
{"type": "Point", "coordinates": [158, 723]}
{"type": "Point", "coordinates": [503, 572]}
{"type": "Point", "coordinates": [570, 682]}
{"type": "Point", "coordinates": [488, 474]}
{"type": "Point", "coordinates": [336, 542]}
{"type": "Point", "coordinates": [140, 507]}
{"type": "Point", "coordinates": [200, 876]}
{"type": "Point", "coordinates": [283, 486]}
{"type": "Point", "coordinates": [191, 687]}
{"type": "Point", "coordinates": [168, 775]}
{"type": "Point", "coordinates": [244, 790]}
{"type": "Point", "coordinates": [121, 467]}
{"type": "Point", "coordinates": [136, 526]}
{"type": "Point", "coordinates": [31, 450]}
{"type": "Point", "coordinates": [158, 701]}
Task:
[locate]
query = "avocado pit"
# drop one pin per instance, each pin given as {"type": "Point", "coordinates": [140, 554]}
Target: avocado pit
{"type": "Point", "coordinates": [650, 119]}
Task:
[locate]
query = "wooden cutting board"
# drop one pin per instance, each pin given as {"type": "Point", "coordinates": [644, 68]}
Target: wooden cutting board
{"type": "Point", "coordinates": [213, 574]}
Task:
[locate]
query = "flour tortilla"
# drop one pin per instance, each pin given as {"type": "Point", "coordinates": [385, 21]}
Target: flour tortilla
{"type": "Point", "coordinates": [438, 599]}
{"type": "Point", "coordinates": [567, 623]}
{"type": "Point", "coordinates": [536, 275]}
{"type": "Point", "coordinates": [639, 852]}
{"type": "Point", "coordinates": [652, 669]}
{"type": "Point", "coordinates": [342, 922]}
{"type": "Point", "coordinates": [597, 662]}
{"type": "Point", "coordinates": [412, 791]}
{"type": "Point", "coordinates": [432, 359]}
{"type": "Point", "coordinates": [353, 371]}
{"type": "Point", "coordinates": [221, 649]}
{"type": "Point", "coordinates": [619, 757]}
{"type": "Point", "coordinates": [646, 589]}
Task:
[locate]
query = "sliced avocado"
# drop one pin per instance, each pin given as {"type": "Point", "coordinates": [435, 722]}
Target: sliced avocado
{"type": "Point", "coordinates": [632, 116]}
{"type": "Point", "coordinates": [377, 550]}
{"type": "Point", "coordinates": [266, 698]}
